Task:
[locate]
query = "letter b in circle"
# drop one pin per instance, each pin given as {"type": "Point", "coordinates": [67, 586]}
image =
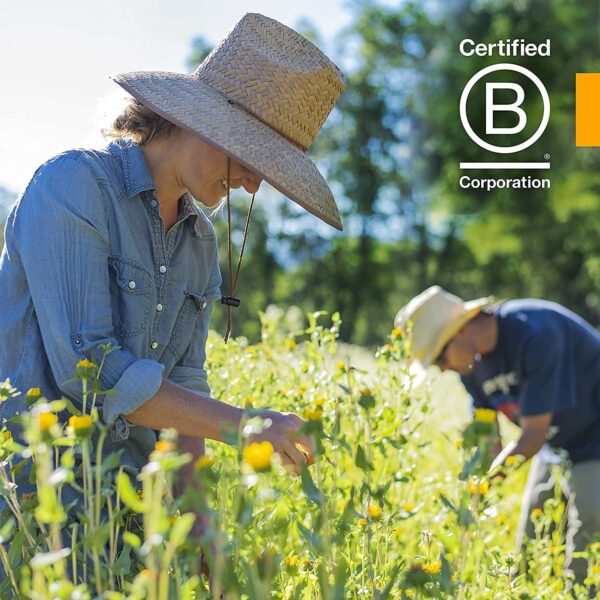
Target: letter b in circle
{"type": "Point", "coordinates": [492, 108]}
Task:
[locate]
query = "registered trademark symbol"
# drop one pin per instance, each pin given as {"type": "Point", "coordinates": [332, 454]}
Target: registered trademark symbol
{"type": "Point", "coordinates": [547, 156]}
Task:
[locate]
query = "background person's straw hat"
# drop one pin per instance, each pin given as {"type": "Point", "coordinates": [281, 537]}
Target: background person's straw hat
{"type": "Point", "coordinates": [436, 317]}
{"type": "Point", "coordinates": [260, 97]}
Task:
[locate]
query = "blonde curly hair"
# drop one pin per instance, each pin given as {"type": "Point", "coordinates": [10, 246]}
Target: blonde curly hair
{"type": "Point", "coordinates": [138, 123]}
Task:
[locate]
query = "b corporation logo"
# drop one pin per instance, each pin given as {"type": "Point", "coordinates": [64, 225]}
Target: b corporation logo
{"type": "Point", "coordinates": [505, 108]}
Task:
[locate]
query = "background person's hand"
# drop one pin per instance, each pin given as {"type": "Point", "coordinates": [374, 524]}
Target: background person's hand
{"type": "Point", "coordinates": [287, 439]}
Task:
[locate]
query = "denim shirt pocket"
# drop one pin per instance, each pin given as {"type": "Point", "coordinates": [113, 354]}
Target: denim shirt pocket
{"type": "Point", "coordinates": [131, 288]}
{"type": "Point", "coordinates": [194, 304]}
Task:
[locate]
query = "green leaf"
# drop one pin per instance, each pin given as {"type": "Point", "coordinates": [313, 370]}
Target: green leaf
{"type": "Point", "coordinates": [181, 528]}
{"type": "Point", "coordinates": [361, 460]}
{"type": "Point", "coordinates": [128, 494]}
{"type": "Point", "coordinates": [6, 530]}
{"type": "Point", "coordinates": [132, 539]}
{"type": "Point", "coordinates": [309, 487]}
{"type": "Point", "coordinates": [123, 562]}
{"type": "Point", "coordinates": [312, 538]}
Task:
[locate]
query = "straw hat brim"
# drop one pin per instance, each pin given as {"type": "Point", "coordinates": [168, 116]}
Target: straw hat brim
{"type": "Point", "coordinates": [471, 309]}
{"type": "Point", "coordinates": [201, 110]}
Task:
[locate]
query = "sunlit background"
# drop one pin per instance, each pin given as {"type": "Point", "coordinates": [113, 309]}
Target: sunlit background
{"type": "Point", "coordinates": [55, 58]}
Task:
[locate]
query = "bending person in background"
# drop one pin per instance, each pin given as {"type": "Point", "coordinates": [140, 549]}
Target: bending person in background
{"type": "Point", "coordinates": [108, 246]}
{"type": "Point", "coordinates": [539, 364]}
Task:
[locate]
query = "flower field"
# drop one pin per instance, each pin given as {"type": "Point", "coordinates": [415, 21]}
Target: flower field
{"type": "Point", "coordinates": [397, 504]}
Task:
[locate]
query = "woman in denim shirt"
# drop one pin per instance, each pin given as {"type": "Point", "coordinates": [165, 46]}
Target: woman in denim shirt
{"type": "Point", "coordinates": [108, 247]}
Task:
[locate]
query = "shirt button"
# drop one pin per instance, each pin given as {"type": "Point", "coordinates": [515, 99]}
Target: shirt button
{"type": "Point", "coordinates": [162, 269]}
{"type": "Point", "coordinates": [154, 203]}
{"type": "Point", "coordinates": [159, 307]}
{"type": "Point", "coordinates": [154, 345]}
{"type": "Point", "coordinates": [203, 305]}
{"type": "Point", "coordinates": [132, 285]}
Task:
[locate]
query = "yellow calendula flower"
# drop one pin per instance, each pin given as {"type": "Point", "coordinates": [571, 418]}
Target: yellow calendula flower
{"type": "Point", "coordinates": [81, 425]}
{"type": "Point", "coordinates": [250, 350]}
{"type": "Point", "coordinates": [32, 395]}
{"type": "Point", "coordinates": [164, 446]}
{"type": "Point", "coordinates": [513, 460]}
{"type": "Point", "coordinates": [484, 486]}
{"type": "Point", "coordinates": [595, 570]}
{"type": "Point", "coordinates": [366, 392]}
{"type": "Point", "coordinates": [485, 415]}
{"type": "Point", "coordinates": [340, 365]}
{"type": "Point", "coordinates": [314, 415]}
{"type": "Point", "coordinates": [501, 519]}
{"type": "Point", "coordinates": [318, 402]}
{"type": "Point", "coordinates": [204, 462]}
{"type": "Point", "coordinates": [374, 511]}
{"type": "Point", "coordinates": [433, 568]}
{"type": "Point", "coordinates": [259, 455]}
{"type": "Point", "coordinates": [473, 485]}
{"type": "Point", "coordinates": [86, 364]}
{"type": "Point", "coordinates": [290, 344]}
{"type": "Point", "coordinates": [409, 507]}
{"type": "Point", "coordinates": [536, 513]}
{"type": "Point", "coordinates": [397, 332]}
{"type": "Point", "coordinates": [362, 522]}
{"type": "Point", "coordinates": [45, 420]}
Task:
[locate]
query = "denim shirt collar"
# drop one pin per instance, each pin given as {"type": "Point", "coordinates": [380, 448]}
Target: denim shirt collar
{"type": "Point", "coordinates": [137, 178]}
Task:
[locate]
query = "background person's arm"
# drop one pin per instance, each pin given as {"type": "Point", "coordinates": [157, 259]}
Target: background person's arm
{"type": "Point", "coordinates": [533, 435]}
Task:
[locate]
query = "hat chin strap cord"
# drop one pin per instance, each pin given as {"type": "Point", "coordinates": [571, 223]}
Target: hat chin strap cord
{"type": "Point", "coordinates": [231, 301]}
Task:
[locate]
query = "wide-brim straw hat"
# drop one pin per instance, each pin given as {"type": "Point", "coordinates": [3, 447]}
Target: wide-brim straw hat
{"type": "Point", "coordinates": [436, 316]}
{"type": "Point", "coordinates": [260, 97]}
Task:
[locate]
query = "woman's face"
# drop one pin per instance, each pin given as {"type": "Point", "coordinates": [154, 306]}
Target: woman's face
{"type": "Point", "coordinates": [203, 171]}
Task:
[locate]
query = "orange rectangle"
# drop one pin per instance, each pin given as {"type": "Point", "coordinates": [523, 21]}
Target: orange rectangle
{"type": "Point", "coordinates": [587, 109]}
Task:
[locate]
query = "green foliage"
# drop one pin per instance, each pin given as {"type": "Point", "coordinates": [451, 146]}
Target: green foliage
{"type": "Point", "coordinates": [382, 513]}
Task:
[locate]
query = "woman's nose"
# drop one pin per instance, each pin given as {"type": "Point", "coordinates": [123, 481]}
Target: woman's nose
{"type": "Point", "coordinates": [251, 183]}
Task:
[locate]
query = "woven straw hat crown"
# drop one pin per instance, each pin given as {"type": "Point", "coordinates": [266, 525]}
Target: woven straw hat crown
{"type": "Point", "coordinates": [436, 316]}
{"type": "Point", "coordinates": [261, 97]}
{"type": "Point", "coordinates": [275, 74]}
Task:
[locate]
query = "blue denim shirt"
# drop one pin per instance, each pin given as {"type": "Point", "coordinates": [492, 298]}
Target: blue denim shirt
{"type": "Point", "coordinates": [86, 262]}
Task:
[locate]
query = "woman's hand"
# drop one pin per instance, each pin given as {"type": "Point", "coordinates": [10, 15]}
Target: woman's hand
{"type": "Point", "coordinates": [284, 433]}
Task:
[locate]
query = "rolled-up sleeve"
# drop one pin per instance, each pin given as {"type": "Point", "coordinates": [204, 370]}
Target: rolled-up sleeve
{"type": "Point", "coordinates": [62, 240]}
{"type": "Point", "coordinates": [189, 371]}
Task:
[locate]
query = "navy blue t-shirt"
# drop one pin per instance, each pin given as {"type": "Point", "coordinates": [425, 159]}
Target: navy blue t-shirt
{"type": "Point", "coordinates": [547, 360]}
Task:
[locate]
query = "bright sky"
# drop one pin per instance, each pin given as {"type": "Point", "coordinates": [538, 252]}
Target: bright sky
{"type": "Point", "coordinates": [55, 57]}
